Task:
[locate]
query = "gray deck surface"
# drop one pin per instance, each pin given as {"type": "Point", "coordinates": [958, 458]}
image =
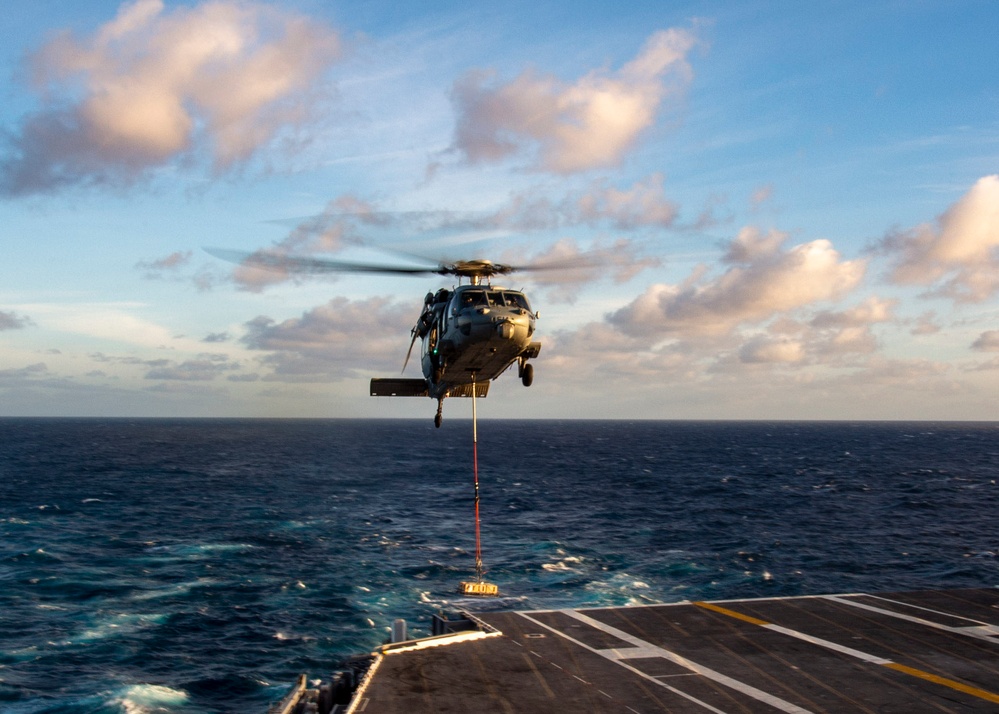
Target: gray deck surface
{"type": "Point", "coordinates": [903, 652]}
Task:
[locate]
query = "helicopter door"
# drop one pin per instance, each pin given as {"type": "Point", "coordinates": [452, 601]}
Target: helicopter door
{"type": "Point", "coordinates": [432, 339]}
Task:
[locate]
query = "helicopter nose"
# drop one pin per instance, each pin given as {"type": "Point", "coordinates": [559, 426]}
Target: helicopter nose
{"type": "Point", "coordinates": [505, 330]}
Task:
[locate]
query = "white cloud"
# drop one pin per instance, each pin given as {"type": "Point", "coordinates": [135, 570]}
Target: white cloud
{"type": "Point", "coordinates": [764, 281]}
{"type": "Point", "coordinates": [563, 268]}
{"type": "Point", "coordinates": [116, 322]}
{"type": "Point", "coordinates": [158, 268]}
{"type": "Point", "coordinates": [155, 84]}
{"type": "Point", "coordinates": [870, 311]}
{"type": "Point", "coordinates": [987, 366]}
{"type": "Point", "coordinates": [958, 254]}
{"type": "Point", "coordinates": [332, 341]}
{"type": "Point", "coordinates": [910, 375]}
{"type": "Point", "coordinates": [926, 324]}
{"type": "Point", "coordinates": [644, 204]}
{"type": "Point", "coordinates": [13, 321]}
{"type": "Point", "coordinates": [576, 127]}
{"type": "Point", "coordinates": [204, 368]}
{"type": "Point", "coordinates": [348, 221]}
{"type": "Point", "coordinates": [761, 195]}
{"type": "Point", "coordinates": [827, 337]}
{"type": "Point", "coordinates": [769, 350]}
{"type": "Point", "coordinates": [988, 341]}
{"type": "Point", "coordinates": [751, 244]}
{"type": "Point", "coordinates": [18, 375]}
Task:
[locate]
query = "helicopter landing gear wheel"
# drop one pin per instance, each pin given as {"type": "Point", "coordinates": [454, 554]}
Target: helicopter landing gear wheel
{"type": "Point", "coordinates": [440, 414]}
{"type": "Point", "coordinates": [527, 375]}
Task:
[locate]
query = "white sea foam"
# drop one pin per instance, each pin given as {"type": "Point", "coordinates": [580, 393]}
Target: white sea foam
{"type": "Point", "coordinates": [200, 550]}
{"type": "Point", "coordinates": [174, 590]}
{"type": "Point", "coordinates": [118, 624]}
{"type": "Point", "coordinates": [623, 589]}
{"type": "Point", "coordinates": [150, 698]}
{"type": "Point", "coordinates": [569, 562]}
{"type": "Point", "coordinates": [555, 567]}
{"type": "Point", "coordinates": [31, 652]}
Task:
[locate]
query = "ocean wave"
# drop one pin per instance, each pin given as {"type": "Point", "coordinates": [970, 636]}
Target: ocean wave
{"type": "Point", "coordinates": [36, 556]}
{"type": "Point", "coordinates": [150, 699]}
{"type": "Point", "coordinates": [566, 564]}
{"type": "Point", "coordinates": [117, 625]}
{"type": "Point", "coordinates": [200, 550]}
{"type": "Point", "coordinates": [174, 590]}
{"type": "Point", "coordinates": [622, 589]}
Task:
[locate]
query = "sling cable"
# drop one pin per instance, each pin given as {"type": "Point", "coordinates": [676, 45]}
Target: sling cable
{"type": "Point", "coordinates": [478, 586]}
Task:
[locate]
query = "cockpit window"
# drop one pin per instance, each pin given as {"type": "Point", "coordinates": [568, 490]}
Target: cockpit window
{"type": "Point", "coordinates": [516, 300]}
{"type": "Point", "coordinates": [492, 298]}
{"type": "Point", "coordinates": [473, 298]}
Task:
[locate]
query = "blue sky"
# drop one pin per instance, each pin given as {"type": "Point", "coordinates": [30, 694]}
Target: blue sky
{"type": "Point", "coordinates": [797, 203]}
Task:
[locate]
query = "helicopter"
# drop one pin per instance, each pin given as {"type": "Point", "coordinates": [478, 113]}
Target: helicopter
{"type": "Point", "coordinates": [470, 335]}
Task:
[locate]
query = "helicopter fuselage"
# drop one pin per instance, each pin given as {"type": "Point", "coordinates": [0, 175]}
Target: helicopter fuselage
{"type": "Point", "coordinates": [470, 335]}
{"type": "Point", "coordinates": [473, 334]}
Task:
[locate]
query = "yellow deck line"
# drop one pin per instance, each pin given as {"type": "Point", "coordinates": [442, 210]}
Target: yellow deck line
{"type": "Point", "coordinates": [929, 677]}
{"type": "Point", "coordinates": [905, 669]}
{"type": "Point", "coordinates": [732, 613]}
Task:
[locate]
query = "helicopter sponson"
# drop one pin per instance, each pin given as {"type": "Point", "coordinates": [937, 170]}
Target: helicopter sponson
{"type": "Point", "coordinates": [469, 336]}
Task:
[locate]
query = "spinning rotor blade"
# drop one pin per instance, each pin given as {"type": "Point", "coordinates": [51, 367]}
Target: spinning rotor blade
{"type": "Point", "coordinates": [461, 268]}
{"type": "Point", "coordinates": [409, 351]}
{"type": "Point", "coordinates": [292, 264]}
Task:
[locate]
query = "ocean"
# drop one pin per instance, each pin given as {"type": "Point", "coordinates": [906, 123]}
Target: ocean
{"type": "Point", "coordinates": [152, 565]}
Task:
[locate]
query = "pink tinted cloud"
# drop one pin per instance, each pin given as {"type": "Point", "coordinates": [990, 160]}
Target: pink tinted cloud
{"type": "Point", "coordinates": [334, 339]}
{"type": "Point", "coordinates": [155, 84]}
{"type": "Point", "coordinates": [765, 280]}
{"type": "Point", "coordinates": [591, 123]}
{"type": "Point", "coordinates": [988, 341]}
{"type": "Point", "coordinates": [957, 255]}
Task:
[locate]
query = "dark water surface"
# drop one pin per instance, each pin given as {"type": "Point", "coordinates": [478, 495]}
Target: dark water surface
{"type": "Point", "coordinates": [200, 565]}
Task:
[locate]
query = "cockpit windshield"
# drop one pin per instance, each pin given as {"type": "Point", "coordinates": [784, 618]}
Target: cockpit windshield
{"type": "Point", "coordinates": [473, 298]}
{"type": "Point", "coordinates": [516, 300]}
{"type": "Point", "coordinates": [493, 298]}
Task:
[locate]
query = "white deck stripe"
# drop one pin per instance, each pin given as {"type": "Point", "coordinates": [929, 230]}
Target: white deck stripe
{"type": "Point", "coordinates": [693, 699]}
{"type": "Point", "coordinates": [647, 647]}
{"type": "Point", "coordinates": [873, 659]}
{"type": "Point", "coordinates": [681, 603]}
{"type": "Point", "coordinates": [979, 631]}
{"type": "Point", "coordinates": [897, 666]}
{"type": "Point", "coordinates": [921, 607]}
